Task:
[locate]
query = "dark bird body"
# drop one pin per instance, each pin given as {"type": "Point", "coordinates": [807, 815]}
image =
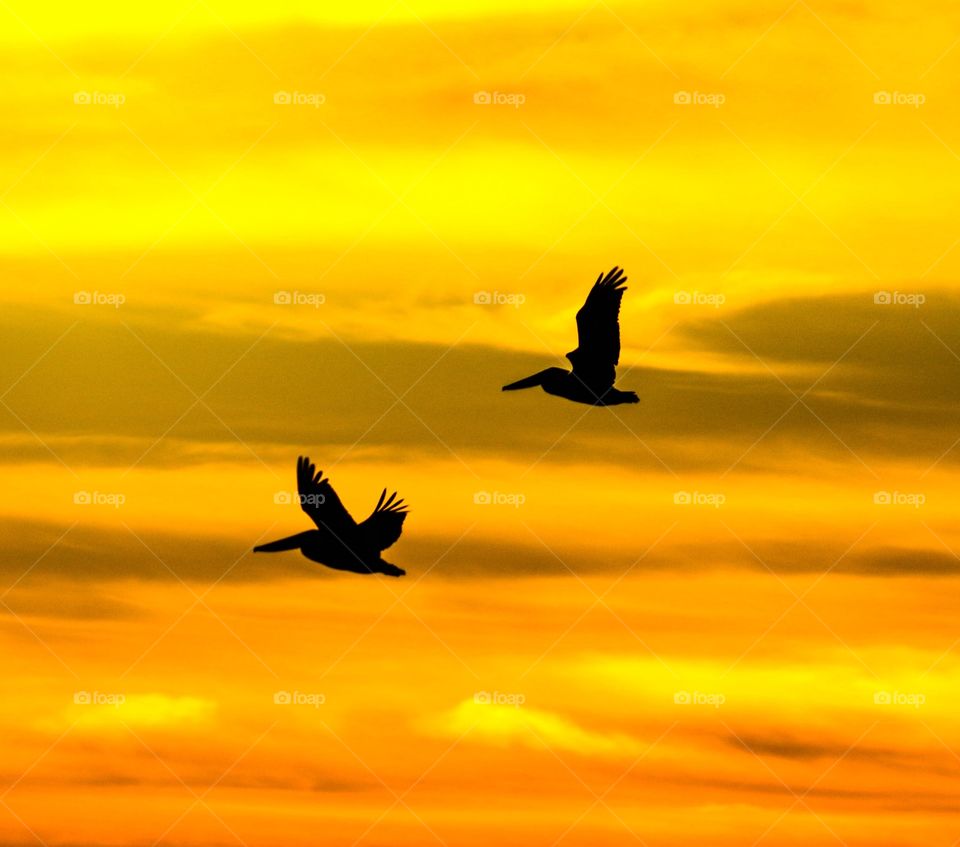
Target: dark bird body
{"type": "Point", "coordinates": [339, 542]}
{"type": "Point", "coordinates": [598, 352]}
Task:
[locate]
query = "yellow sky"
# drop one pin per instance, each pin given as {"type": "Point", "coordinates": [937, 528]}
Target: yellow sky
{"type": "Point", "coordinates": [235, 233]}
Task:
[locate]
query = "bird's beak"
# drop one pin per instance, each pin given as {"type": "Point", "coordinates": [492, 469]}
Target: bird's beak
{"type": "Point", "coordinates": [527, 382]}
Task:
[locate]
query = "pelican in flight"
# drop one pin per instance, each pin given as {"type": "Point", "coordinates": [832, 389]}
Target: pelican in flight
{"type": "Point", "coordinates": [595, 359]}
{"type": "Point", "coordinates": [339, 542]}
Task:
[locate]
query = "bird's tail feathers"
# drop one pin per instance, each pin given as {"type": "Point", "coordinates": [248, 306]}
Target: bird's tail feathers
{"type": "Point", "coordinates": [293, 542]}
{"type": "Point", "coordinates": [526, 382]}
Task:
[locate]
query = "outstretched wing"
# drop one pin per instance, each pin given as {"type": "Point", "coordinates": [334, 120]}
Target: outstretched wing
{"type": "Point", "coordinates": [319, 500]}
{"type": "Point", "coordinates": [385, 524]}
{"type": "Point", "coordinates": [598, 331]}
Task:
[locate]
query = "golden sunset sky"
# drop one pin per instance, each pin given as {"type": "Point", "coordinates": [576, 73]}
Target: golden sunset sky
{"type": "Point", "coordinates": [233, 233]}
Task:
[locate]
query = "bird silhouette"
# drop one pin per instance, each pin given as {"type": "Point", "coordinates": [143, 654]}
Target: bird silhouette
{"type": "Point", "coordinates": [598, 352]}
{"type": "Point", "coordinates": [339, 542]}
